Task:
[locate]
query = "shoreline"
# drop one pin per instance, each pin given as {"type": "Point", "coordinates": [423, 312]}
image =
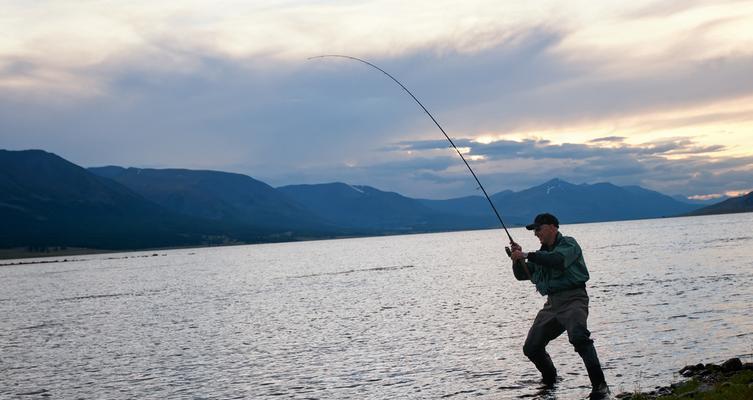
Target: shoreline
{"type": "Point", "coordinates": [21, 253]}
{"type": "Point", "coordinates": [45, 260]}
{"type": "Point", "coordinates": [732, 379]}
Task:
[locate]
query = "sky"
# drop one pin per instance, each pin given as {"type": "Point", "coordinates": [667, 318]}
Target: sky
{"type": "Point", "coordinates": [656, 94]}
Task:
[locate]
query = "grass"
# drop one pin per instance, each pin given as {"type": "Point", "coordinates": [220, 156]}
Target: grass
{"type": "Point", "coordinates": [737, 387]}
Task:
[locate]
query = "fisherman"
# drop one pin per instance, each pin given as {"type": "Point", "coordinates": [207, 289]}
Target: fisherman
{"type": "Point", "coordinates": [559, 272]}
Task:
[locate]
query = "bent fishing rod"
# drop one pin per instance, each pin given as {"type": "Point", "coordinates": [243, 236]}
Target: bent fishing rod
{"type": "Point", "coordinates": [512, 242]}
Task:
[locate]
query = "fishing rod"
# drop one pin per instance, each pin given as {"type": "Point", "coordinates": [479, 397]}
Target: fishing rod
{"type": "Point", "coordinates": [512, 242]}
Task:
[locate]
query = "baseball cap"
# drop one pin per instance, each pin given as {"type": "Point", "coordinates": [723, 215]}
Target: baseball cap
{"type": "Point", "coordinates": [543, 219]}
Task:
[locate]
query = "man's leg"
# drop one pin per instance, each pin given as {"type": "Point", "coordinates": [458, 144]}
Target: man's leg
{"type": "Point", "coordinates": [545, 328]}
{"type": "Point", "coordinates": [574, 317]}
{"type": "Point", "coordinates": [595, 373]}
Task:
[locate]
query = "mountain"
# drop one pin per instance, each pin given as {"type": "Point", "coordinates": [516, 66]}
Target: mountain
{"type": "Point", "coordinates": [729, 206]}
{"type": "Point", "coordinates": [216, 196]}
{"type": "Point", "coordinates": [572, 203]}
{"type": "Point", "coordinates": [367, 207]}
{"type": "Point", "coordinates": [478, 207]}
{"type": "Point", "coordinates": [46, 200]}
{"type": "Point", "coordinates": [591, 202]}
{"type": "Point", "coordinates": [364, 207]}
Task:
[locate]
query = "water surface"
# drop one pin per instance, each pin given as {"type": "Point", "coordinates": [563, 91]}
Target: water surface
{"type": "Point", "coordinates": [419, 316]}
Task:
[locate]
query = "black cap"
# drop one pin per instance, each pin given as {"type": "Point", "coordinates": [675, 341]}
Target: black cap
{"type": "Point", "coordinates": [543, 219]}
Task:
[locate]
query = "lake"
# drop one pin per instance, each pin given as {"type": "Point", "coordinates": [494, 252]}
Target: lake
{"type": "Point", "coordinates": [417, 316]}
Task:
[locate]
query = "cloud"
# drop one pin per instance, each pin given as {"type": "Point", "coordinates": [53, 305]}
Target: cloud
{"type": "Point", "coordinates": [657, 94]}
{"type": "Point", "coordinates": [611, 139]}
{"type": "Point", "coordinates": [653, 164]}
{"type": "Point", "coordinates": [542, 149]}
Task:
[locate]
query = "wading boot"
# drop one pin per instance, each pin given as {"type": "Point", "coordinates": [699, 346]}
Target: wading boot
{"type": "Point", "coordinates": [600, 390]}
{"type": "Point", "coordinates": [544, 364]}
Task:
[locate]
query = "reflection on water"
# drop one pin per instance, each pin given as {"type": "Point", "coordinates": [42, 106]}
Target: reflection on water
{"type": "Point", "coordinates": [422, 316]}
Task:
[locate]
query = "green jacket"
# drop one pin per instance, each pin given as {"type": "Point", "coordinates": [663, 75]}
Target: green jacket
{"type": "Point", "coordinates": [558, 268]}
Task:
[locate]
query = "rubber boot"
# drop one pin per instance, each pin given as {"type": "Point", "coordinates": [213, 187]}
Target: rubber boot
{"type": "Point", "coordinates": [600, 390]}
{"type": "Point", "coordinates": [544, 364]}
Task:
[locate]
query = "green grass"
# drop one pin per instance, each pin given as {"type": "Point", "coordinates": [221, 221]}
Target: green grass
{"type": "Point", "coordinates": [736, 387]}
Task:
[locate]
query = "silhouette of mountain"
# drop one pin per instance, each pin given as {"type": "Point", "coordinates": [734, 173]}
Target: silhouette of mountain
{"type": "Point", "coordinates": [571, 203]}
{"type": "Point", "coordinates": [478, 207]}
{"type": "Point", "coordinates": [364, 207]}
{"type": "Point", "coordinates": [591, 202]}
{"type": "Point", "coordinates": [46, 200]}
{"type": "Point", "coordinates": [217, 196]}
{"type": "Point", "coordinates": [729, 206]}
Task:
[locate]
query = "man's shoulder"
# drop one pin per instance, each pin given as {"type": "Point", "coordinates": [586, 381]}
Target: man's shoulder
{"type": "Point", "coordinates": [569, 240]}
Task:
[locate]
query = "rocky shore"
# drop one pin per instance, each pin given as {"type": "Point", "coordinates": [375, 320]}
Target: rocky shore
{"type": "Point", "coordinates": [733, 379]}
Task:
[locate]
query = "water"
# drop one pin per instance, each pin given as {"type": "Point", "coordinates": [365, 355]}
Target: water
{"type": "Point", "coordinates": [421, 316]}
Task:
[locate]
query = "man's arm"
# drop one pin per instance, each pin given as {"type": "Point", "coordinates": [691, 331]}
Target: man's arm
{"type": "Point", "coordinates": [519, 270]}
{"type": "Point", "coordinates": [566, 252]}
{"type": "Point", "coordinates": [548, 259]}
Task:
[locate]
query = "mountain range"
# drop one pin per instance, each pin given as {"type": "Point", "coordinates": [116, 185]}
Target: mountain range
{"type": "Point", "coordinates": [733, 205]}
{"type": "Point", "coordinates": [48, 201]}
{"type": "Point", "coordinates": [215, 196]}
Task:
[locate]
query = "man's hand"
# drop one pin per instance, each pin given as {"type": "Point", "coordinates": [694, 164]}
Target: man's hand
{"type": "Point", "coordinates": [518, 254]}
{"type": "Point", "coordinates": [519, 268]}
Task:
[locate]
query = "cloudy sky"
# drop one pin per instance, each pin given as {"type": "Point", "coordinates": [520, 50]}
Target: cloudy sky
{"type": "Point", "coordinates": [657, 94]}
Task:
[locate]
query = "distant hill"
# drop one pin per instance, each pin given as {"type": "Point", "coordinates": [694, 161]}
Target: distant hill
{"type": "Point", "coordinates": [478, 207]}
{"type": "Point", "coordinates": [364, 207]}
{"type": "Point", "coordinates": [570, 203]}
{"type": "Point", "coordinates": [46, 200]}
{"type": "Point", "coordinates": [217, 196]}
{"type": "Point", "coordinates": [592, 202]}
{"type": "Point", "coordinates": [729, 206]}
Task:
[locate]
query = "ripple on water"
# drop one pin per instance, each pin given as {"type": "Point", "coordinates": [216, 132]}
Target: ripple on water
{"type": "Point", "coordinates": [358, 318]}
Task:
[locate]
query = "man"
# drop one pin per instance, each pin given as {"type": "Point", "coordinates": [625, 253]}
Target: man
{"type": "Point", "coordinates": [559, 272]}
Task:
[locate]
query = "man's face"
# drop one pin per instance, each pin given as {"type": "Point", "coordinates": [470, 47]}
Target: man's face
{"type": "Point", "coordinates": [546, 234]}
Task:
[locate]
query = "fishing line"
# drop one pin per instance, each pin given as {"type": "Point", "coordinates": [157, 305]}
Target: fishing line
{"type": "Point", "coordinates": [438, 126]}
